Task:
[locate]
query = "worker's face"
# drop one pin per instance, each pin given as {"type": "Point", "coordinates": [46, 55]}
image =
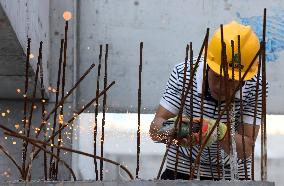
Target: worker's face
{"type": "Point", "coordinates": [214, 81]}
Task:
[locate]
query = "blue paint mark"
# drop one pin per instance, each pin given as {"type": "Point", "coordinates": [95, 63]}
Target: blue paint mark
{"type": "Point", "coordinates": [274, 32]}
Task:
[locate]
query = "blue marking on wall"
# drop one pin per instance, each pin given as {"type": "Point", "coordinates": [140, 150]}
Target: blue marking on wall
{"type": "Point", "coordinates": [274, 31]}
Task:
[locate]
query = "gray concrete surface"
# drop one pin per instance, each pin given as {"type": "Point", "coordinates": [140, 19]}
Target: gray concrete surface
{"type": "Point", "coordinates": [12, 62]}
{"type": "Point", "coordinates": [42, 21]}
{"type": "Point", "coordinates": [165, 28]}
{"type": "Point", "coordinates": [29, 18]}
{"type": "Point", "coordinates": [147, 183]}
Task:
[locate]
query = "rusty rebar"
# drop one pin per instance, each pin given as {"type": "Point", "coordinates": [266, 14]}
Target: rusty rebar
{"type": "Point", "coordinates": [218, 132]}
{"type": "Point", "coordinates": [139, 110]}
{"type": "Point", "coordinates": [30, 140]}
{"type": "Point", "coordinates": [264, 137]}
{"type": "Point", "coordinates": [191, 105]}
{"type": "Point", "coordinates": [11, 158]}
{"type": "Point", "coordinates": [241, 107]}
{"type": "Point", "coordinates": [33, 96]}
{"type": "Point", "coordinates": [97, 112]}
{"type": "Point", "coordinates": [62, 95]}
{"type": "Point", "coordinates": [229, 111]}
{"type": "Point", "coordinates": [180, 122]}
{"type": "Point", "coordinates": [42, 92]}
{"type": "Point", "coordinates": [226, 78]}
{"type": "Point", "coordinates": [24, 151]}
{"type": "Point", "coordinates": [182, 105]}
{"type": "Point", "coordinates": [61, 113]}
{"type": "Point", "coordinates": [222, 112]}
{"type": "Point", "coordinates": [35, 141]}
{"type": "Point", "coordinates": [254, 115]}
{"type": "Point", "coordinates": [104, 112]}
{"type": "Point", "coordinates": [74, 117]}
{"type": "Point", "coordinates": [56, 99]}
{"type": "Point", "coordinates": [61, 102]}
{"type": "Point", "coordinates": [202, 101]}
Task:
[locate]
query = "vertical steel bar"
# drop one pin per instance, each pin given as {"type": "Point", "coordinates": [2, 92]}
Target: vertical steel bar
{"type": "Point", "coordinates": [61, 116]}
{"type": "Point", "coordinates": [228, 102]}
{"type": "Point", "coordinates": [180, 109]}
{"type": "Point", "coordinates": [65, 97]}
{"type": "Point", "coordinates": [218, 132]}
{"type": "Point", "coordinates": [180, 114]}
{"type": "Point", "coordinates": [24, 150]}
{"type": "Point", "coordinates": [202, 100]}
{"type": "Point", "coordinates": [33, 97]}
{"type": "Point", "coordinates": [191, 104]}
{"type": "Point", "coordinates": [97, 112]}
{"type": "Point", "coordinates": [43, 112]}
{"type": "Point", "coordinates": [264, 144]}
{"type": "Point", "coordinates": [104, 111]}
{"type": "Point", "coordinates": [72, 119]}
{"type": "Point", "coordinates": [254, 115]}
{"type": "Point", "coordinates": [56, 96]}
{"type": "Point", "coordinates": [139, 110]}
{"type": "Point", "coordinates": [241, 107]}
{"type": "Point", "coordinates": [221, 113]}
{"type": "Point", "coordinates": [34, 90]}
{"type": "Point", "coordinates": [61, 113]}
{"type": "Point", "coordinates": [225, 78]}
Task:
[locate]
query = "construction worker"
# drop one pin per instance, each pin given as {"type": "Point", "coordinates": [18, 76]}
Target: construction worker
{"type": "Point", "coordinates": [214, 97]}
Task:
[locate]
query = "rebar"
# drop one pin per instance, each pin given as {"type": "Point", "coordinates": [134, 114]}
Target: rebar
{"type": "Point", "coordinates": [254, 115]}
{"type": "Point", "coordinates": [48, 152]}
{"type": "Point", "coordinates": [56, 99]}
{"type": "Point", "coordinates": [202, 102]}
{"type": "Point", "coordinates": [11, 158]}
{"type": "Point", "coordinates": [263, 122]}
{"type": "Point", "coordinates": [24, 149]}
{"type": "Point", "coordinates": [139, 110]}
{"type": "Point", "coordinates": [222, 112]}
{"type": "Point", "coordinates": [61, 119]}
{"type": "Point", "coordinates": [182, 105]}
{"type": "Point", "coordinates": [104, 112]}
{"type": "Point", "coordinates": [180, 122]}
{"type": "Point", "coordinates": [34, 95]}
{"type": "Point", "coordinates": [218, 132]}
{"type": "Point", "coordinates": [191, 107]}
{"type": "Point", "coordinates": [74, 117]}
{"type": "Point", "coordinates": [35, 141]}
{"type": "Point", "coordinates": [96, 112]}
{"type": "Point", "coordinates": [230, 110]}
{"type": "Point", "coordinates": [241, 108]}
{"type": "Point", "coordinates": [61, 102]}
{"type": "Point", "coordinates": [42, 92]}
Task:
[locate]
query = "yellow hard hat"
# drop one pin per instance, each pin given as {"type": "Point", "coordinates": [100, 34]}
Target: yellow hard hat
{"type": "Point", "coordinates": [249, 47]}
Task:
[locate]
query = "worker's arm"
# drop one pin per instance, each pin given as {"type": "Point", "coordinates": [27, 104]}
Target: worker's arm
{"type": "Point", "coordinates": [248, 140]}
{"type": "Point", "coordinates": [162, 115]}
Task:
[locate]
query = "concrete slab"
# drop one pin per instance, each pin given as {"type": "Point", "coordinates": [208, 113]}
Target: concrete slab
{"type": "Point", "coordinates": [146, 183]}
{"type": "Point", "coordinates": [10, 84]}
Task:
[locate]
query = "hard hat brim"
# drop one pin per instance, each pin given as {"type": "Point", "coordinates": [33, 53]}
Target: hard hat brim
{"type": "Point", "coordinates": [216, 68]}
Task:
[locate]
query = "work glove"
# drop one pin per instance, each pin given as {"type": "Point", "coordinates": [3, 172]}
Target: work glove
{"type": "Point", "coordinates": [206, 129]}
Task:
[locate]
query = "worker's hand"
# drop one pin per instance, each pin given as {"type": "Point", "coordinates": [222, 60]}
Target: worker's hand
{"type": "Point", "coordinates": [206, 128]}
{"type": "Point", "coordinates": [168, 129]}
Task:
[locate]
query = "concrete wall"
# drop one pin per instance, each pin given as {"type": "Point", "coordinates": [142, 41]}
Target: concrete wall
{"type": "Point", "coordinates": [166, 27]}
{"type": "Point", "coordinates": [31, 18]}
{"type": "Point", "coordinates": [41, 20]}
